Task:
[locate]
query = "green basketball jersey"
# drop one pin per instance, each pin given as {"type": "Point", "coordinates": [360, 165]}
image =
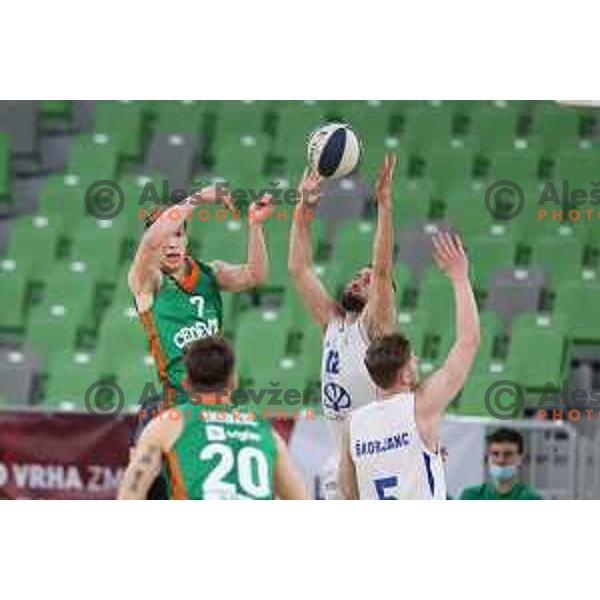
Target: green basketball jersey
{"type": "Point", "coordinates": [181, 313]}
{"type": "Point", "coordinates": [223, 453]}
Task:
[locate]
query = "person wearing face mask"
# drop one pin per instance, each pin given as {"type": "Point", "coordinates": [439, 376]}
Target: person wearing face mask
{"type": "Point", "coordinates": [505, 452]}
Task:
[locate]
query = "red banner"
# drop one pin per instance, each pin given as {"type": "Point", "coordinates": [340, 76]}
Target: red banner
{"type": "Point", "coordinates": [61, 456]}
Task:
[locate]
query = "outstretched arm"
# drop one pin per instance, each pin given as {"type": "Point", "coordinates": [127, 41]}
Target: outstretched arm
{"type": "Point", "coordinates": [347, 471]}
{"type": "Point", "coordinates": [380, 312]}
{"type": "Point", "coordinates": [237, 278]}
{"type": "Point", "coordinates": [288, 483]}
{"type": "Point", "coordinates": [438, 391]}
{"type": "Point", "coordinates": [144, 272]}
{"type": "Point", "coordinates": [143, 468]}
{"type": "Point", "coordinates": [300, 263]}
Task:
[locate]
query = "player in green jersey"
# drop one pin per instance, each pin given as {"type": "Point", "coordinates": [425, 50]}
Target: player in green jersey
{"type": "Point", "coordinates": [213, 450]}
{"type": "Point", "coordinates": [179, 298]}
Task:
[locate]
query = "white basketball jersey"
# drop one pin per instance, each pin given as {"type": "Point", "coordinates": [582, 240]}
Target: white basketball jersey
{"type": "Point", "coordinates": [391, 460]}
{"type": "Point", "coordinates": [345, 381]}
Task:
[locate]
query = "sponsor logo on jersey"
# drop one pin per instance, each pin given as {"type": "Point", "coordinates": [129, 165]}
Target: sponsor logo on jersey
{"type": "Point", "coordinates": [392, 442]}
{"type": "Point", "coordinates": [335, 399]}
{"type": "Point", "coordinates": [200, 329]}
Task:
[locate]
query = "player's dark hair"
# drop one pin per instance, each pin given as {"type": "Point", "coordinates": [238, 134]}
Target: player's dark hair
{"type": "Point", "coordinates": [209, 363]}
{"type": "Point", "coordinates": [386, 357]}
{"type": "Point", "coordinates": [506, 435]}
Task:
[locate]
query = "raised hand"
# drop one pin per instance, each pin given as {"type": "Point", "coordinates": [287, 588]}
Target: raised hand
{"type": "Point", "coordinates": [260, 210]}
{"type": "Point", "coordinates": [309, 188]}
{"type": "Point", "coordinates": [383, 187]}
{"type": "Point", "coordinates": [450, 256]}
{"type": "Point", "coordinates": [212, 195]}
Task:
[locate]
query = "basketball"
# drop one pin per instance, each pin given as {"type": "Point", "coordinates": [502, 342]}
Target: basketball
{"type": "Point", "coordinates": [335, 150]}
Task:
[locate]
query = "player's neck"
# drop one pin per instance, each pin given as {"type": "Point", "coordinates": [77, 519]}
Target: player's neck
{"type": "Point", "coordinates": [504, 487]}
{"type": "Point", "coordinates": [212, 398]}
{"type": "Point", "coordinates": [394, 391]}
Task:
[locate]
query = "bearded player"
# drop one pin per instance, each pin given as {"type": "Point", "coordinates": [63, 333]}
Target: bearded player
{"type": "Point", "coordinates": [391, 447]}
{"type": "Point", "coordinates": [365, 311]}
{"type": "Point", "coordinates": [212, 450]}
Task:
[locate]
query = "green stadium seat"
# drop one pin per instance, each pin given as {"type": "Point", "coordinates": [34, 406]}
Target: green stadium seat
{"type": "Point", "coordinates": [242, 161]}
{"type": "Point", "coordinates": [412, 202]}
{"type": "Point", "coordinates": [13, 294]}
{"type": "Point", "coordinates": [579, 168]}
{"type": "Point", "coordinates": [495, 128]}
{"type": "Point", "coordinates": [371, 120]}
{"type": "Point", "coordinates": [62, 199]}
{"type": "Point", "coordinates": [138, 380]}
{"type": "Point", "coordinates": [489, 253]}
{"type": "Point", "coordinates": [123, 121]}
{"type": "Point", "coordinates": [556, 128]}
{"type": "Point", "coordinates": [237, 118]}
{"type": "Point", "coordinates": [222, 240]}
{"type": "Point", "coordinates": [560, 256]}
{"type": "Point", "coordinates": [69, 379]}
{"type": "Point", "coordinates": [179, 116]}
{"type": "Point", "coordinates": [537, 350]}
{"type": "Point", "coordinates": [33, 244]}
{"type": "Point", "coordinates": [435, 303]}
{"type": "Point", "coordinates": [5, 168]}
{"type": "Point", "coordinates": [466, 213]}
{"type": "Point", "coordinates": [404, 280]}
{"type": "Point", "coordinates": [94, 158]}
{"type": "Point", "coordinates": [51, 331]}
{"type": "Point", "coordinates": [427, 127]}
{"type": "Point", "coordinates": [577, 302]}
{"type": "Point", "coordinates": [56, 108]}
{"type": "Point", "coordinates": [121, 338]}
{"type": "Point", "coordinates": [520, 166]}
{"type": "Point", "coordinates": [415, 330]}
{"type": "Point", "coordinates": [311, 351]}
{"type": "Point", "coordinates": [491, 330]}
{"type": "Point", "coordinates": [143, 196]}
{"type": "Point", "coordinates": [472, 399]}
{"type": "Point", "coordinates": [285, 381]}
{"type": "Point", "coordinates": [260, 342]}
{"type": "Point", "coordinates": [353, 247]}
{"type": "Point", "coordinates": [99, 244]}
{"type": "Point", "coordinates": [72, 284]}
{"type": "Point", "coordinates": [295, 121]}
{"type": "Point", "coordinates": [450, 169]}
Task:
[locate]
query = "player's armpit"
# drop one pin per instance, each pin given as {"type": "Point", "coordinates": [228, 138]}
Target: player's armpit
{"type": "Point", "coordinates": [142, 470]}
{"type": "Point", "coordinates": [347, 472]}
{"type": "Point", "coordinates": [288, 482]}
{"type": "Point", "coordinates": [144, 275]}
